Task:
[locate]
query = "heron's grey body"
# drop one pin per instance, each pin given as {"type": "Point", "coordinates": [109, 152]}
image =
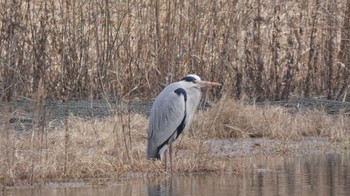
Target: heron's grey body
{"type": "Point", "coordinates": [171, 114]}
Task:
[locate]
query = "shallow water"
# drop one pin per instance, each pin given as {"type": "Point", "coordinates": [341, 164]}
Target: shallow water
{"type": "Point", "coordinates": [325, 174]}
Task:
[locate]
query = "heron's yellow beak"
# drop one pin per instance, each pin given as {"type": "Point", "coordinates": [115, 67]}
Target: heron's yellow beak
{"type": "Point", "coordinates": [207, 83]}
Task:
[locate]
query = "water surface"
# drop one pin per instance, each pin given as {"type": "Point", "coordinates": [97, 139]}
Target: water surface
{"type": "Point", "coordinates": [322, 174]}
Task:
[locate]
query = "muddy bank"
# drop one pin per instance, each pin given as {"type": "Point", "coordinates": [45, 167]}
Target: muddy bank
{"type": "Point", "coordinates": [24, 114]}
{"type": "Point", "coordinates": [315, 103]}
{"type": "Point", "coordinates": [243, 147]}
{"type": "Point", "coordinates": [28, 112]}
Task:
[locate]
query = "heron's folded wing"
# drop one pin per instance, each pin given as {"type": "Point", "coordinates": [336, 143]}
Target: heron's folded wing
{"type": "Point", "coordinates": [167, 114]}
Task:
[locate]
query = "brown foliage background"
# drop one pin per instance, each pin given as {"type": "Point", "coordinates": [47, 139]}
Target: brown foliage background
{"type": "Point", "coordinates": [270, 49]}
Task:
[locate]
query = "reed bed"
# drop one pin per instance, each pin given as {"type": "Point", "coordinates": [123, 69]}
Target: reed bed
{"type": "Point", "coordinates": [263, 50]}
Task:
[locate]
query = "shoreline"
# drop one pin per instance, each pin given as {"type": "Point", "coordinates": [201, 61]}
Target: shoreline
{"type": "Point", "coordinates": [240, 150]}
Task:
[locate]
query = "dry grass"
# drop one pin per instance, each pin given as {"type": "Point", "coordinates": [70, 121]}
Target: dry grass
{"type": "Point", "coordinates": [230, 118]}
{"type": "Point", "coordinates": [87, 150]}
{"type": "Point", "coordinates": [114, 147]}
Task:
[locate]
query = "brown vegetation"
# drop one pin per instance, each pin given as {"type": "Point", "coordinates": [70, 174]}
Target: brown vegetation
{"type": "Point", "coordinates": [231, 119]}
{"type": "Point", "coordinates": [258, 49]}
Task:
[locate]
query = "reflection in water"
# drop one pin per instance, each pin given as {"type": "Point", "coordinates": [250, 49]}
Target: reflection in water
{"type": "Point", "coordinates": [161, 186]}
{"type": "Point", "coordinates": [302, 175]}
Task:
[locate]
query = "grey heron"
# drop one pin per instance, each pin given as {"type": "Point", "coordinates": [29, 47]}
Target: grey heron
{"type": "Point", "coordinates": [171, 114]}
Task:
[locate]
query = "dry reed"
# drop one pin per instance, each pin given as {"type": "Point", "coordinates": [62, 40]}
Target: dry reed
{"type": "Point", "coordinates": [257, 49]}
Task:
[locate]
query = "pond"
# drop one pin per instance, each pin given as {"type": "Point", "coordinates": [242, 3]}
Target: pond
{"type": "Point", "coordinates": [311, 174]}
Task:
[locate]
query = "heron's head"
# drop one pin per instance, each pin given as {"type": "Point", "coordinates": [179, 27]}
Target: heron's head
{"type": "Point", "coordinates": [195, 81]}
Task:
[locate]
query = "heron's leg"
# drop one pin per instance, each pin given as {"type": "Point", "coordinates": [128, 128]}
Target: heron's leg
{"type": "Point", "coordinates": [171, 156]}
{"type": "Point", "coordinates": [166, 159]}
